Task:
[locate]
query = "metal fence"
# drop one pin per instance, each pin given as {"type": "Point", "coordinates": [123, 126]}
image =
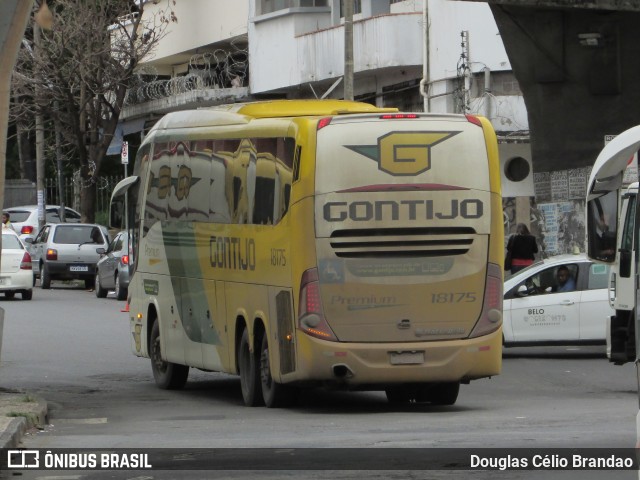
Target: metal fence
{"type": "Point", "coordinates": [71, 194]}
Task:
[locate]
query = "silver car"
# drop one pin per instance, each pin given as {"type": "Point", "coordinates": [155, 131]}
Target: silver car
{"type": "Point", "coordinates": [67, 251]}
{"type": "Point", "coordinates": [113, 268]}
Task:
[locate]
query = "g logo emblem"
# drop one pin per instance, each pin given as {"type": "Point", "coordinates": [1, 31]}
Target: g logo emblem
{"type": "Point", "coordinates": [403, 153]}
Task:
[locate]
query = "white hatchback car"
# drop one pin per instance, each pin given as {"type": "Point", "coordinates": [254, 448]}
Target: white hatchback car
{"type": "Point", "coordinates": [536, 314]}
{"type": "Point", "coordinates": [24, 219]}
{"type": "Point", "coordinates": [16, 274]}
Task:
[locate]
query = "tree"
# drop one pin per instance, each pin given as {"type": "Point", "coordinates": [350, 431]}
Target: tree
{"type": "Point", "coordinates": [77, 76]}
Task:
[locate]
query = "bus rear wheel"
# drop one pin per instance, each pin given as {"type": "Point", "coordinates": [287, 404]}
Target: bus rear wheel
{"type": "Point", "coordinates": [275, 395]}
{"type": "Point", "coordinates": [249, 376]}
{"type": "Point", "coordinates": [445, 393]}
{"type": "Point", "coordinates": [168, 376]}
{"type": "Point", "coordinates": [399, 395]}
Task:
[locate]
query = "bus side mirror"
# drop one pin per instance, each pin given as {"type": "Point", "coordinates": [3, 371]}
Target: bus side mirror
{"type": "Point", "coordinates": [625, 263]}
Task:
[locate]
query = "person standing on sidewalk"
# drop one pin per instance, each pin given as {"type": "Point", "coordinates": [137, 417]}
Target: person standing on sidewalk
{"type": "Point", "coordinates": [522, 247]}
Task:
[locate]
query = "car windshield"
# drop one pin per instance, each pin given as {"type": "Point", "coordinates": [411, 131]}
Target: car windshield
{"type": "Point", "coordinates": [11, 242]}
{"type": "Point", "coordinates": [75, 234]}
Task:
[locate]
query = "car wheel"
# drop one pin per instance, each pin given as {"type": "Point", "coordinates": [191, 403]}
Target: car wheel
{"type": "Point", "coordinates": [27, 294]}
{"type": "Point", "coordinates": [9, 294]}
{"type": "Point", "coordinates": [34, 279]}
{"type": "Point", "coordinates": [249, 374]}
{"type": "Point", "coordinates": [89, 283]}
{"type": "Point", "coordinates": [100, 292]}
{"type": "Point", "coordinates": [168, 376]}
{"type": "Point", "coordinates": [121, 292]}
{"type": "Point", "coordinates": [45, 277]}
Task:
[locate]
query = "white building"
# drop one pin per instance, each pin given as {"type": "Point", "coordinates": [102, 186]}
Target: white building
{"type": "Point", "coordinates": [222, 51]}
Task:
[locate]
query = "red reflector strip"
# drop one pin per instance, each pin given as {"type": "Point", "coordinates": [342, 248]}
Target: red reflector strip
{"type": "Point", "coordinates": [323, 122]}
{"type": "Point", "coordinates": [473, 119]}
{"type": "Point", "coordinates": [394, 116]}
{"type": "Point", "coordinates": [484, 348]}
{"type": "Point", "coordinates": [408, 187]}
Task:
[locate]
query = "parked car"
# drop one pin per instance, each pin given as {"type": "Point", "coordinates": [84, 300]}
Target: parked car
{"type": "Point", "coordinates": [113, 268]}
{"type": "Point", "coordinates": [536, 312]}
{"type": "Point", "coordinates": [24, 219]}
{"type": "Point", "coordinates": [67, 251]}
{"type": "Point", "coordinates": [16, 274]}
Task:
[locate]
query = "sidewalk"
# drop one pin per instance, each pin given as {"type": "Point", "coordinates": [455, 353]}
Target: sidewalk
{"type": "Point", "coordinates": [19, 412]}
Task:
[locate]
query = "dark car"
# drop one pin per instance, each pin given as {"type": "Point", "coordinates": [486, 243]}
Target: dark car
{"type": "Point", "coordinates": [113, 268]}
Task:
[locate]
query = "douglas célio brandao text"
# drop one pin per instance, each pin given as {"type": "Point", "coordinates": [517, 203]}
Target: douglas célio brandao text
{"type": "Point", "coordinates": [552, 461]}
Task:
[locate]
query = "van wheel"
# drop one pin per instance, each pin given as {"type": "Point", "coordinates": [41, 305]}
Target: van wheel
{"type": "Point", "coordinates": [275, 394]}
{"type": "Point", "coordinates": [100, 292]}
{"type": "Point", "coordinates": [248, 369]}
{"type": "Point", "coordinates": [121, 293]}
{"type": "Point", "coordinates": [27, 294]}
{"type": "Point", "coordinates": [45, 277]}
{"type": "Point", "coordinates": [9, 295]}
{"type": "Point", "coordinates": [168, 376]}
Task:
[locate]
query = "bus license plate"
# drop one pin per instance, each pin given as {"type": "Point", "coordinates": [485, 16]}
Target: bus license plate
{"type": "Point", "coordinates": [78, 268]}
{"type": "Point", "coordinates": [406, 358]}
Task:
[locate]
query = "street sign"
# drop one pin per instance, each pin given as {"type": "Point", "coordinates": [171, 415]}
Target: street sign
{"type": "Point", "coordinates": [124, 154]}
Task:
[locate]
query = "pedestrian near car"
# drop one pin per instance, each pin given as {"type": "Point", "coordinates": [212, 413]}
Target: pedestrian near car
{"type": "Point", "coordinates": [522, 246]}
{"type": "Point", "coordinates": [6, 221]}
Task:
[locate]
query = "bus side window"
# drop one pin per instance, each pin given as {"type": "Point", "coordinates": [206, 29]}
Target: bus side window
{"type": "Point", "coordinates": [158, 186]}
{"type": "Point", "coordinates": [263, 212]}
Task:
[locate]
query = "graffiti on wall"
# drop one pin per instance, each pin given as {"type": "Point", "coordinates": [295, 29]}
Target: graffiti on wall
{"type": "Point", "coordinates": [556, 215]}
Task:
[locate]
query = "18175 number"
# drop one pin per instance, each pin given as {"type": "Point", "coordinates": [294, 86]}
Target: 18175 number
{"type": "Point", "coordinates": [453, 297]}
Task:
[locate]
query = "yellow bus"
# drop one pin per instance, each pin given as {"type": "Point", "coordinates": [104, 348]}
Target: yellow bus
{"type": "Point", "coordinates": [302, 243]}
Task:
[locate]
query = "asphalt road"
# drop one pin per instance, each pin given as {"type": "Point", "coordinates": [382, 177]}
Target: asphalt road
{"type": "Point", "coordinates": [73, 350]}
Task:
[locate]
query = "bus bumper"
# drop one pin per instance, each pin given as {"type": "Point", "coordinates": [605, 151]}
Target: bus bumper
{"type": "Point", "coordinates": [364, 364]}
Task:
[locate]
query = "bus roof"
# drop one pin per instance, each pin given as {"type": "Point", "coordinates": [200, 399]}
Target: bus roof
{"type": "Point", "coordinates": [299, 108]}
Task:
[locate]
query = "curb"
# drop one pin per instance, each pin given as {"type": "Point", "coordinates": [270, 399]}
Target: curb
{"type": "Point", "coordinates": [12, 436]}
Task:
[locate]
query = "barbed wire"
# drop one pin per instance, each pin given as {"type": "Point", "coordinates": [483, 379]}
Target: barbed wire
{"type": "Point", "coordinates": [217, 69]}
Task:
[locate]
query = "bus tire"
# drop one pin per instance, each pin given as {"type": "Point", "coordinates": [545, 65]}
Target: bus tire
{"type": "Point", "coordinates": [100, 292]}
{"type": "Point", "coordinates": [275, 395]}
{"type": "Point", "coordinates": [399, 395]}
{"type": "Point", "coordinates": [445, 393]}
{"type": "Point", "coordinates": [248, 370]}
{"type": "Point", "coordinates": [168, 376]}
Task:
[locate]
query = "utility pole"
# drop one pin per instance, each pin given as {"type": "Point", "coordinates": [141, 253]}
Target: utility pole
{"type": "Point", "coordinates": [348, 49]}
{"type": "Point", "coordinates": [39, 139]}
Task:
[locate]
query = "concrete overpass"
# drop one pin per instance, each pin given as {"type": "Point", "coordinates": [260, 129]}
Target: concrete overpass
{"type": "Point", "coordinates": [578, 65]}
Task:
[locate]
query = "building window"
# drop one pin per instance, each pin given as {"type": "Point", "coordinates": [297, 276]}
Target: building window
{"type": "Point", "coordinates": [268, 6]}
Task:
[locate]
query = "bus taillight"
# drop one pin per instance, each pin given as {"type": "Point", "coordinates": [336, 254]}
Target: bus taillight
{"type": "Point", "coordinates": [323, 122]}
{"type": "Point", "coordinates": [397, 116]}
{"type": "Point", "coordinates": [491, 316]}
{"type": "Point", "coordinates": [310, 315]}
